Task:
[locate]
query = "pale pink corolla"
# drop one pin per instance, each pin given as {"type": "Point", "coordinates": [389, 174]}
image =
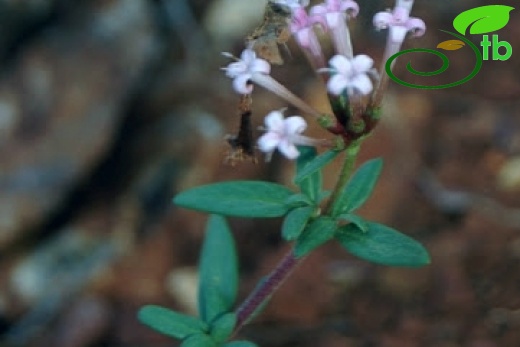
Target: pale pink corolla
{"type": "Point", "coordinates": [334, 11]}
{"type": "Point", "coordinates": [283, 134]}
{"type": "Point", "coordinates": [302, 27]}
{"type": "Point", "coordinates": [399, 21]}
{"type": "Point", "coordinates": [243, 70]}
{"type": "Point", "coordinates": [350, 75]}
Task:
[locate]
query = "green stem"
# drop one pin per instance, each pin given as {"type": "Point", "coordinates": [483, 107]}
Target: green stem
{"type": "Point", "coordinates": [346, 171]}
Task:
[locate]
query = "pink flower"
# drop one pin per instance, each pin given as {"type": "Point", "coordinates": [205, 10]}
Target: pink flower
{"type": "Point", "coordinates": [333, 11]}
{"type": "Point", "coordinates": [400, 22]}
{"type": "Point", "coordinates": [283, 134]}
{"type": "Point", "coordinates": [302, 28]}
{"type": "Point", "coordinates": [245, 69]}
{"type": "Point", "coordinates": [350, 74]}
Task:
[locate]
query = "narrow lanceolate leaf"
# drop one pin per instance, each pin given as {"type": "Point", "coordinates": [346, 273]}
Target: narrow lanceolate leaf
{"type": "Point", "coordinates": [199, 340]}
{"type": "Point", "coordinates": [237, 198]}
{"type": "Point", "coordinates": [356, 220]}
{"type": "Point", "coordinates": [240, 344]}
{"type": "Point", "coordinates": [223, 327]}
{"type": "Point", "coordinates": [383, 245]}
{"type": "Point", "coordinates": [295, 222]}
{"type": "Point", "coordinates": [218, 270]}
{"type": "Point", "coordinates": [316, 164]}
{"type": "Point", "coordinates": [359, 187]}
{"type": "Point", "coordinates": [171, 323]}
{"type": "Point", "coordinates": [311, 185]}
{"type": "Point", "coordinates": [315, 234]}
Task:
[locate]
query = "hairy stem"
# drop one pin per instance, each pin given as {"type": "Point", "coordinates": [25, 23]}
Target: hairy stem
{"type": "Point", "coordinates": [270, 284]}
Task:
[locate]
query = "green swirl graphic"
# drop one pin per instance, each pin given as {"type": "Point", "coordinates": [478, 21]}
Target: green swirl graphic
{"type": "Point", "coordinates": [444, 67]}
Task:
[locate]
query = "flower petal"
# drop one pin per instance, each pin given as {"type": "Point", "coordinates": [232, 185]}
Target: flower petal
{"type": "Point", "coordinates": [341, 64]}
{"type": "Point", "coordinates": [236, 68]}
{"type": "Point", "coordinates": [362, 84]}
{"type": "Point", "coordinates": [288, 149]}
{"type": "Point", "coordinates": [416, 26]}
{"type": "Point", "coordinates": [350, 6]}
{"type": "Point", "coordinates": [295, 125]}
{"type": "Point", "coordinates": [247, 56]}
{"type": "Point", "coordinates": [362, 63]}
{"type": "Point", "coordinates": [260, 66]}
{"type": "Point", "coordinates": [268, 142]}
{"type": "Point", "coordinates": [275, 122]}
{"type": "Point", "coordinates": [241, 84]}
{"type": "Point", "coordinates": [337, 84]}
{"type": "Point", "coordinates": [382, 20]}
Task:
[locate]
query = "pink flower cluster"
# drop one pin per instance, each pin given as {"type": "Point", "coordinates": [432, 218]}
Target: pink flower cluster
{"type": "Point", "coordinates": [346, 73]}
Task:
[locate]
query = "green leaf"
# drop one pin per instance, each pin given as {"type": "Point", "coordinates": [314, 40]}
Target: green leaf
{"type": "Point", "coordinates": [383, 245]}
{"type": "Point", "coordinates": [315, 165]}
{"type": "Point", "coordinates": [356, 220]}
{"type": "Point", "coordinates": [223, 327]}
{"type": "Point", "coordinates": [240, 344]}
{"type": "Point", "coordinates": [483, 19]}
{"type": "Point", "coordinates": [315, 234]}
{"type": "Point", "coordinates": [218, 270]}
{"type": "Point", "coordinates": [298, 200]}
{"type": "Point", "coordinates": [237, 198]}
{"type": "Point", "coordinates": [170, 323]}
{"type": "Point", "coordinates": [198, 340]}
{"type": "Point", "coordinates": [311, 185]}
{"type": "Point", "coordinates": [295, 222]}
{"type": "Point", "coordinates": [359, 187]}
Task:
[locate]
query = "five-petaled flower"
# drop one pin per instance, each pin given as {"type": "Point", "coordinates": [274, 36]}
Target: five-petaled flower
{"type": "Point", "coordinates": [284, 134]}
{"type": "Point", "coordinates": [245, 69]}
{"type": "Point", "coordinates": [350, 75]}
{"type": "Point", "coordinates": [400, 22]}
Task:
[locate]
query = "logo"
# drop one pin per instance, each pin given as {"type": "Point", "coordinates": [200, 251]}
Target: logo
{"type": "Point", "coordinates": [480, 21]}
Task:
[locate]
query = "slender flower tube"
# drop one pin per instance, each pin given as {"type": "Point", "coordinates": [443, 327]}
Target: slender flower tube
{"type": "Point", "coordinates": [350, 75]}
{"type": "Point", "coordinates": [399, 23]}
{"type": "Point", "coordinates": [334, 13]}
{"type": "Point", "coordinates": [302, 27]}
{"type": "Point", "coordinates": [284, 134]}
{"type": "Point", "coordinates": [244, 70]}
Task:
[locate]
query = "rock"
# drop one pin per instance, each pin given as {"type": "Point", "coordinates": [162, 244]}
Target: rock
{"type": "Point", "coordinates": [60, 104]}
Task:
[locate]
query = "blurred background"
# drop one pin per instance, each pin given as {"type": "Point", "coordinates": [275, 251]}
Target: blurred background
{"type": "Point", "coordinates": [110, 107]}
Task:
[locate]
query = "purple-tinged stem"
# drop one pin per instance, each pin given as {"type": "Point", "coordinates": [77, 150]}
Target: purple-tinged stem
{"type": "Point", "coordinates": [271, 283]}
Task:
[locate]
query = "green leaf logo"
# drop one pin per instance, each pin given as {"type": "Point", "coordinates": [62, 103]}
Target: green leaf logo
{"type": "Point", "coordinates": [483, 19]}
{"type": "Point", "coordinates": [451, 45]}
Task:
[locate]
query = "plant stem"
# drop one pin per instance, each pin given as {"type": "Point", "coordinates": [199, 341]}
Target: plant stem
{"type": "Point", "coordinates": [348, 165]}
{"type": "Point", "coordinates": [289, 262]}
{"type": "Point", "coordinates": [270, 284]}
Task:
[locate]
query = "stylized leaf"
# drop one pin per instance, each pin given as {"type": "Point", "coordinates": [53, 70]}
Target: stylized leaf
{"type": "Point", "coordinates": [383, 245]}
{"type": "Point", "coordinates": [483, 19]}
{"type": "Point", "coordinates": [451, 45]}
{"type": "Point", "coordinates": [218, 269]}
{"type": "Point", "coordinates": [237, 198]}
{"type": "Point", "coordinates": [311, 185]}
{"type": "Point", "coordinates": [295, 222]}
{"type": "Point", "coordinates": [359, 187]}
{"type": "Point", "coordinates": [169, 322]}
{"type": "Point", "coordinates": [315, 234]}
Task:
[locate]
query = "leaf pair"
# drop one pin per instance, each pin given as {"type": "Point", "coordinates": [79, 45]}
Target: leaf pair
{"type": "Point", "coordinates": [218, 284]}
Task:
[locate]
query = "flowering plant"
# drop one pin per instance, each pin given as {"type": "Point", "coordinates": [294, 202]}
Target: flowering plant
{"type": "Point", "coordinates": [312, 216]}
